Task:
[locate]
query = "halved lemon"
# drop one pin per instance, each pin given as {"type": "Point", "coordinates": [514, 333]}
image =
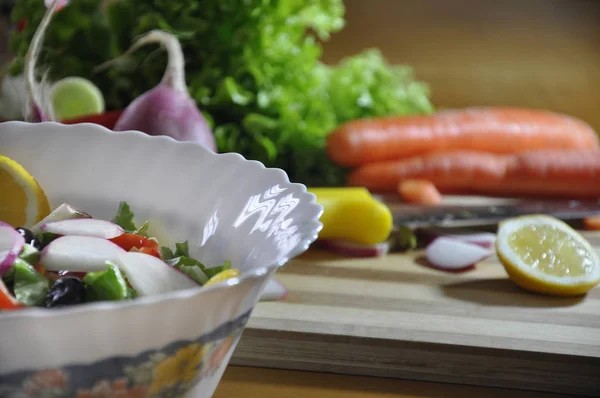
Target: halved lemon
{"type": "Point", "coordinates": [22, 200]}
{"type": "Point", "coordinates": [545, 255]}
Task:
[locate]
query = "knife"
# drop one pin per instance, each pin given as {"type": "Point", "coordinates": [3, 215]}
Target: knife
{"type": "Point", "coordinates": [480, 215]}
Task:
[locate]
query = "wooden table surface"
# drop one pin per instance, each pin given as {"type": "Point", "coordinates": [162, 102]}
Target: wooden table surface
{"type": "Point", "coordinates": [534, 53]}
{"type": "Point", "coordinates": [269, 383]}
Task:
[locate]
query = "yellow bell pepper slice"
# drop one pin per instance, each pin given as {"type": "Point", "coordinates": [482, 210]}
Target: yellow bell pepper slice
{"type": "Point", "coordinates": [353, 214]}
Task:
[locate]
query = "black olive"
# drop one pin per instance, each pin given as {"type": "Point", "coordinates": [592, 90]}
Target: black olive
{"type": "Point", "coordinates": [30, 238]}
{"type": "Point", "coordinates": [68, 290]}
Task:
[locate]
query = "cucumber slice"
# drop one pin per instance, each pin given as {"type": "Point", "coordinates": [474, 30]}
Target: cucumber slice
{"type": "Point", "coordinates": [73, 97]}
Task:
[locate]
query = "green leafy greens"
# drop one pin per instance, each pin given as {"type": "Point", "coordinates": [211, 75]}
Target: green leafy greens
{"type": "Point", "coordinates": [253, 66]}
{"type": "Point", "coordinates": [30, 287]}
{"type": "Point", "coordinates": [109, 285]}
{"type": "Point", "coordinates": [180, 259]}
{"type": "Point", "coordinates": [124, 219]}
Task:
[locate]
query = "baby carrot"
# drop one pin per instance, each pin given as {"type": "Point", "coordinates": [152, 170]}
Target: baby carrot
{"type": "Point", "coordinates": [420, 192]}
{"type": "Point", "coordinates": [489, 129]}
{"type": "Point", "coordinates": [592, 223]}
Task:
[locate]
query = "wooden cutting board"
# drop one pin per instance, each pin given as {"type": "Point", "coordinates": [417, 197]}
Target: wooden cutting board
{"type": "Point", "coordinates": [393, 317]}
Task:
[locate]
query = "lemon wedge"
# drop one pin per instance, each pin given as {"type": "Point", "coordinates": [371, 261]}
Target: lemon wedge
{"type": "Point", "coordinates": [223, 276]}
{"type": "Point", "coordinates": [545, 255]}
{"type": "Point", "coordinates": [22, 200]}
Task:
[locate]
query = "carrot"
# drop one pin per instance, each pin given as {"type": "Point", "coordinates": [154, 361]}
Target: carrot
{"type": "Point", "coordinates": [592, 223]}
{"type": "Point", "coordinates": [489, 129]}
{"type": "Point", "coordinates": [458, 170]}
{"type": "Point", "coordinates": [561, 173]}
{"type": "Point", "coordinates": [421, 192]}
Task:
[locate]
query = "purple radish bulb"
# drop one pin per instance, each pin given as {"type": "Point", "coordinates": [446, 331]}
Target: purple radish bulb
{"type": "Point", "coordinates": [167, 109]}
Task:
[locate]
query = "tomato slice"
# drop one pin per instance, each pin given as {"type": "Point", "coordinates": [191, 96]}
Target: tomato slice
{"type": "Point", "coordinates": [129, 241]}
{"type": "Point", "coordinates": [151, 251]}
{"type": "Point", "coordinates": [7, 301]}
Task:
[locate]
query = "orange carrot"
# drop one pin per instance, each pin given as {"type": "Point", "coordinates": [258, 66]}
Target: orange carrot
{"type": "Point", "coordinates": [455, 170]}
{"type": "Point", "coordinates": [420, 192]}
{"type": "Point", "coordinates": [561, 173]}
{"type": "Point", "coordinates": [592, 223]}
{"type": "Point", "coordinates": [492, 129]}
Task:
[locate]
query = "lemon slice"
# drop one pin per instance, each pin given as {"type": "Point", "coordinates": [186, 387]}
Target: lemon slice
{"type": "Point", "coordinates": [223, 276]}
{"type": "Point", "coordinates": [74, 97]}
{"type": "Point", "coordinates": [545, 255]}
{"type": "Point", "coordinates": [22, 200]}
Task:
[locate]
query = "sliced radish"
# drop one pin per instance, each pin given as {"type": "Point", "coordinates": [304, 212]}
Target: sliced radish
{"type": "Point", "coordinates": [484, 239]}
{"type": "Point", "coordinates": [149, 275]}
{"type": "Point", "coordinates": [62, 212]}
{"type": "Point", "coordinates": [274, 291]}
{"type": "Point", "coordinates": [353, 249]}
{"type": "Point", "coordinates": [11, 245]}
{"type": "Point", "coordinates": [84, 227]}
{"type": "Point", "coordinates": [451, 254]}
{"type": "Point", "coordinates": [427, 235]}
{"type": "Point", "coordinates": [79, 254]}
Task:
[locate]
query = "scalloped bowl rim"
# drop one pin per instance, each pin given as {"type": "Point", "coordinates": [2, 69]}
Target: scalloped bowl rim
{"type": "Point", "coordinates": [180, 294]}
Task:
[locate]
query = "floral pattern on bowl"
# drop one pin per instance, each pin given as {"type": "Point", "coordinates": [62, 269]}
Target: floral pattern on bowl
{"type": "Point", "coordinates": [169, 372]}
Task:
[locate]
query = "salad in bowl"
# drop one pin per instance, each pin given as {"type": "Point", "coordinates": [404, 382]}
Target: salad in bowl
{"type": "Point", "coordinates": [70, 258]}
{"type": "Point", "coordinates": [132, 263]}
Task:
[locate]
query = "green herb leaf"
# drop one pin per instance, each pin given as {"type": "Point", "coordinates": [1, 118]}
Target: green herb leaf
{"type": "Point", "coordinates": [210, 272]}
{"type": "Point", "coordinates": [142, 230]}
{"type": "Point", "coordinates": [191, 267]}
{"type": "Point", "coordinates": [166, 253]}
{"type": "Point", "coordinates": [124, 219]}
{"type": "Point", "coordinates": [182, 249]}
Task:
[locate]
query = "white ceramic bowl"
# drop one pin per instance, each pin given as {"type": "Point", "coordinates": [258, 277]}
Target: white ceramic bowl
{"type": "Point", "coordinates": [227, 207]}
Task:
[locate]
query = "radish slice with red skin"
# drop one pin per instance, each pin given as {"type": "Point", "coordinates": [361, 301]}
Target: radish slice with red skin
{"type": "Point", "coordinates": [451, 254]}
{"type": "Point", "coordinates": [149, 275]}
{"type": "Point", "coordinates": [61, 213]}
{"type": "Point", "coordinates": [79, 254]}
{"type": "Point", "coordinates": [84, 227]}
{"type": "Point", "coordinates": [426, 236]}
{"type": "Point", "coordinates": [484, 239]}
{"type": "Point", "coordinates": [274, 291]}
{"type": "Point", "coordinates": [353, 249]}
{"type": "Point", "coordinates": [11, 245]}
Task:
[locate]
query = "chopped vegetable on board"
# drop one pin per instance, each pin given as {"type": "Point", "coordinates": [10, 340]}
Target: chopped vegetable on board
{"type": "Point", "coordinates": [353, 214]}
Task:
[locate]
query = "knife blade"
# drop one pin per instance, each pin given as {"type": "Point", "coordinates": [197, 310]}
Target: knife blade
{"type": "Point", "coordinates": [471, 215]}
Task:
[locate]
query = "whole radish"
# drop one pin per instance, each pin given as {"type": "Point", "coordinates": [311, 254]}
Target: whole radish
{"type": "Point", "coordinates": [167, 109]}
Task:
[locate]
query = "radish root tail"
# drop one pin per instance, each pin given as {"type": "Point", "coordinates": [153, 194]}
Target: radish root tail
{"type": "Point", "coordinates": [174, 75]}
{"type": "Point", "coordinates": [38, 104]}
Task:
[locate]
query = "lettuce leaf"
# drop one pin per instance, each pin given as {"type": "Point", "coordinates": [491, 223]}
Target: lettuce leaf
{"type": "Point", "coordinates": [124, 219]}
{"type": "Point", "coordinates": [180, 259]}
{"type": "Point", "coordinates": [253, 67]}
